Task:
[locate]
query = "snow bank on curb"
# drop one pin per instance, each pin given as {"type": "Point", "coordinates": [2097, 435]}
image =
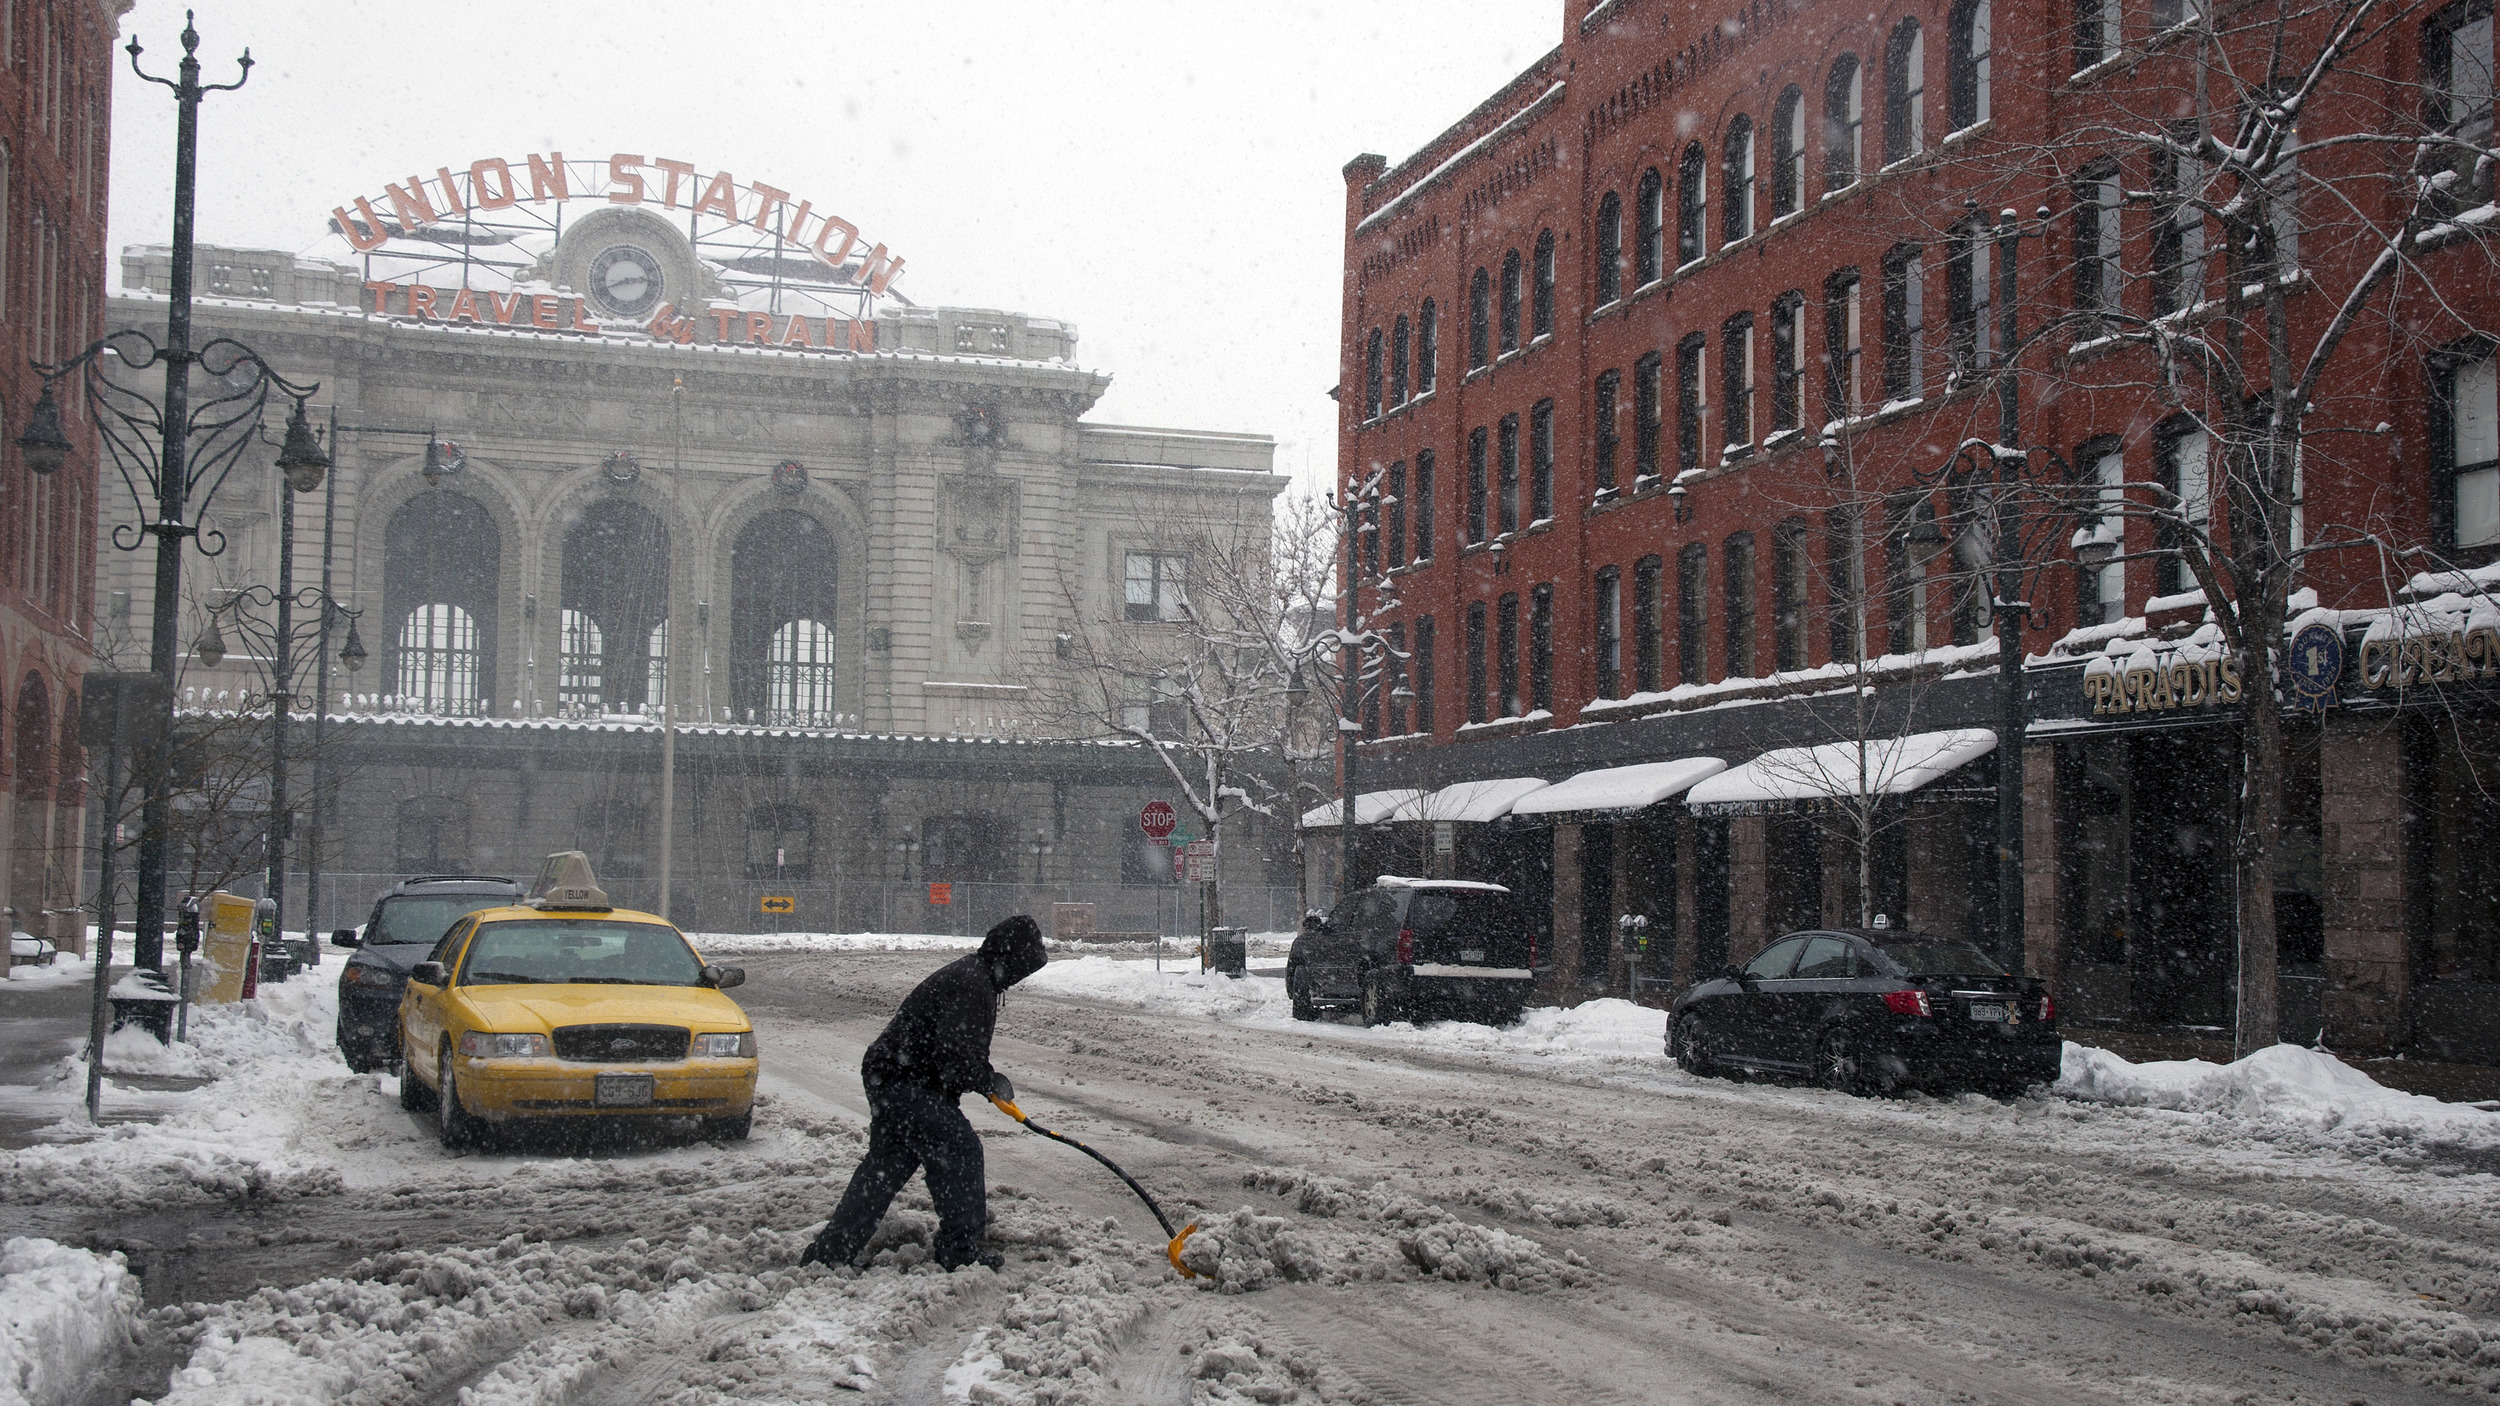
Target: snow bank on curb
{"type": "Point", "coordinates": [2281, 1082]}
{"type": "Point", "coordinates": [63, 1313]}
{"type": "Point", "coordinates": [274, 1073]}
{"type": "Point", "coordinates": [718, 943]}
{"type": "Point", "coordinates": [1172, 991]}
{"type": "Point", "coordinates": [68, 969]}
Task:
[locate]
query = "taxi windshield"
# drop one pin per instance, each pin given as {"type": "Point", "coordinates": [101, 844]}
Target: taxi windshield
{"type": "Point", "coordinates": [594, 951]}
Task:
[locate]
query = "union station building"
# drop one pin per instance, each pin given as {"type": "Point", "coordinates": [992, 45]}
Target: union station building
{"type": "Point", "coordinates": [608, 451]}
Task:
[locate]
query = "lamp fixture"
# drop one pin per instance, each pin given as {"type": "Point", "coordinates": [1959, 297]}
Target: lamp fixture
{"type": "Point", "coordinates": [41, 444]}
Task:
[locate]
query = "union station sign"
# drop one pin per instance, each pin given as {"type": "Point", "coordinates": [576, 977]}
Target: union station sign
{"type": "Point", "coordinates": [492, 184]}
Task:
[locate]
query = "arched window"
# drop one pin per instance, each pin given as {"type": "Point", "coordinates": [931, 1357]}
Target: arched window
{"type": "Point", "coordinates": [1427, 348]}
{"type": "Point", "coordinates": [1905, 93]}
{"type": "Point", "coordinates": [1844, 123]}
{"type": "Point", "coordinates": [1397, 362]}
{"type": "Point", "coordinates": [615, 591]}
{"type": "Point", "coordinates": [1609, 249]}
{"type": "Point", "coordinates": [1510, 301]}
{"type": "Point", "coordinates": [583, 649]}
{"type": "Point", "coordinates": [1541, 289]}
{"type": "Point", "coordinates": [1692, 205]}
{"type": "Point", "coordinates": [1736, 165]}
{"type": "Point", "coordinates": [1371, 376]}
{"type": "Point", "coordinates": [34, 739]}
{"type": "Point", "coordinates": [781, 573]}
{"type": "Point", "coordinates": [798, 675]}
{"type": "Point", "coordinates": [655, 685]}
{"type": "Point", "coordinates": [1969, 79]}
{"type": "Point", "coordinates": [438, 660]}
{"type": "Point", "coordinates": [1479, 320]}
{"type": "Point", "coordinates": [1788, 153]}
{"type": "Point", "coordinates": [1651, 245]}
{"type": "Point", "coordinates": [441, 550]}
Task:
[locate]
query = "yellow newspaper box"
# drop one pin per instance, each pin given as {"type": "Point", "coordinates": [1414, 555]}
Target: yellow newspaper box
{"type": "Point", "coordinates": [225, 947]}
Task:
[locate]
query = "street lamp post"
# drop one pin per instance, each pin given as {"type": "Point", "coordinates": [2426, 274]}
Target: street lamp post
{"type": "Point", "coordinates": [2002, 539]}
{"type": "Point", "coordinates": [152, 446]}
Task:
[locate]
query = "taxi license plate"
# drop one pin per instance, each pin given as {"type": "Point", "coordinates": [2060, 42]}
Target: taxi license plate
{"type": "Point", "coordinates": [1991, 1010]}
{"type": "Point", "coordinates": [1472, 954]}
{"type": "Point", "coordinates": [621, 1091]}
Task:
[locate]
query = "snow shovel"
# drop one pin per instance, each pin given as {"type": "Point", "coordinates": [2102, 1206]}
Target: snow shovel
{"type": "Point", "coordinates": [1171, 1251]}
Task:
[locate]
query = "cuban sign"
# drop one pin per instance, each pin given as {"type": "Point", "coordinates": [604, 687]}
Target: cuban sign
{"type": "Point", "coordinates": [780, 903]}
{"type": "Point", "coordinates": [1158, 819]}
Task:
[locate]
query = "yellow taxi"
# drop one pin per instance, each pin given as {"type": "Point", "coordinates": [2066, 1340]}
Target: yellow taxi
{"type": "Point", "coordinates": [567, 1007]}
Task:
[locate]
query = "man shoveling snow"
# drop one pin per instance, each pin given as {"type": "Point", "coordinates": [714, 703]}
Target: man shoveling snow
{"type": "Point", "coordinates": [934, 1051]}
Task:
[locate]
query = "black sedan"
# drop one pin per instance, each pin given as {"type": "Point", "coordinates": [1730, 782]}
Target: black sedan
{"type": "Point", "coordinates": [1871, 1010]}
{"type": "Point", "coordinates": [408, 919]}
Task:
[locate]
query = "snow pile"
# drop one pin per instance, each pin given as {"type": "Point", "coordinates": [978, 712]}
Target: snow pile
{"type": "Point", "coordinates": [1374, 1222]}
{"type": "Point", "coordinates": [63, 1313]}
{"type": "Point", "coordinates": [67, 969]}
{"type": "Point", "coordinates": [2284, 1082]}
{"type": "Point", "coordinates": [1246, 1251]}
{"type": "Point", "coordinates": [1184, 991]}
{"type": "Point", "coordinates": [275, 1071]}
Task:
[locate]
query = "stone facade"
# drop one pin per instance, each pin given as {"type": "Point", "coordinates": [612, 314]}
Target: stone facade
{"type": "Point", "coordinates": [835, 568]}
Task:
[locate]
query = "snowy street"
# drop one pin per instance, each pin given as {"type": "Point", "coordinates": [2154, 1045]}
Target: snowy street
{"type": "Point", "coordinates": [1450, 1214]}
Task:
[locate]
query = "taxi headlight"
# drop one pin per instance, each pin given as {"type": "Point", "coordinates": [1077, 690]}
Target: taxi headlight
{"type": "Point", "coordinates": [481, 1044]}
{"type": "Point", "coordinates": [740, 1045]}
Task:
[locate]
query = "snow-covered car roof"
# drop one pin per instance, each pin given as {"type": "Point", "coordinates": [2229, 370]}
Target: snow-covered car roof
{"type": "Point", "coordinates": [1399, 881]}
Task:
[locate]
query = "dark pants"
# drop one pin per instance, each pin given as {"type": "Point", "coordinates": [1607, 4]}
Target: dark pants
{"type": "Point", "coordinates": [912, 1130]}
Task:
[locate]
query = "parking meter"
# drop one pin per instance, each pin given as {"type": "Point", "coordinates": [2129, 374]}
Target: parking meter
{"type": "Point", "coordinates": [186, 942]}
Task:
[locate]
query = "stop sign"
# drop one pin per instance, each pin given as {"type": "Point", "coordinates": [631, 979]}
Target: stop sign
{"type": "Point", "coordinates": [1157, 819]}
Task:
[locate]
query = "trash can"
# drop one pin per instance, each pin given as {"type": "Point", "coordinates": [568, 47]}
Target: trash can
{"type": "Point", "coordinates": [140, 1000]}
{"type": "Point", "coordinates": [1228, 951]}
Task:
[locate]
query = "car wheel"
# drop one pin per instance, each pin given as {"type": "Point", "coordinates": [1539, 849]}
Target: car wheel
{"type": "Point", "coordinates": [452, 1122]}
{"type": "Point", "coordinates": [1692, 1053]}
{"type": "Point", "coordinates": [1379, 1006]}
{"type": "Point", "coordinates": [1836, 1063]}
{"type": "Point", "coordinates": [413, 1094]}
{"type": "Point", "coordinates": [358, 1060]}
{"type": "Point", "coordinates": [729, 1129]}
{"type": "Point", "coordinates": [1304, 1008]}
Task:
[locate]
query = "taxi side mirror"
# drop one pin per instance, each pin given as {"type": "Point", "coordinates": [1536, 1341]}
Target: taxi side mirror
{"type": "Point", "coordinates": [722, 978]}
{"type": "Point", "coordinates": [429, 974]}
{"type": "Point", "coordinates": [346, 937]}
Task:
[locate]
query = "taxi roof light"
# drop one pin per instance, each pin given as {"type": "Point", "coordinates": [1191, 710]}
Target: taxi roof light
{"type": "Point", "coordinates": [566, 885]}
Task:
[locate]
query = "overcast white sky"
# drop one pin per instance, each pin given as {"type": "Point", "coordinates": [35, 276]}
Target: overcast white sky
{"type": "Point", "coordinates": [1164, 176]}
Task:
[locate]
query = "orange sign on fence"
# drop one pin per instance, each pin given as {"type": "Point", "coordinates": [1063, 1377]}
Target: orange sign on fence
{"type": "Point", "coordinates": [941, 894]}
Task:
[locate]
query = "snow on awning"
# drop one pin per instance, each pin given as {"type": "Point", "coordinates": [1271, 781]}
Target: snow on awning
{"type": "Point", "coordinates": [1475, 802]}
{"type": "Point", "coordinates": [1620, 788]}
{"type": "Point", "coordinates": [1370, 808]}
{"type": "Point", "coordinates": [1800, 777]}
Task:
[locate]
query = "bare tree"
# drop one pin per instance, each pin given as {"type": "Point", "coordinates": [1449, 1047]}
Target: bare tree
{"type": "Point", "coordinates": [2351, 219]}
{"type": "Point", "coordinates": [1196, 663]}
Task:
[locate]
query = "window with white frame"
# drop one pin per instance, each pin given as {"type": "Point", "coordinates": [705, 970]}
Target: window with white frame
{"type": "Point", "coordinates": [1737, 170]}
{"type": "Point", "coordinates": [1737, 385]}
{"type": "Point", "coordinates": [2468, 400]}
{"type": "Point", "coordinates": [798, 674]}
{"type": "Point", "coordinates": [2099, 275]}
{"type": "Point", "coordinates": [2096, 32]}
{"type": "Point", "coordinates": [2186, 473]}
{"type": "Point", "coordinates": [438, 660]}
{"type": "Point", "coordinates": [1788, 351]}
{"type": "Point", "coordinates": [1692, 206]}
{"type": "Point", "coordinates": [2178, 225]}
{"type": "Point", "coordinates": [1690, 410]}
{"type": "Point", "coordinates": [2458, 67]}
{"type": "Point", "coordinates": [1788, 153]}
{"type": "Point", "coordinates": [1844, 123]}
{"type": "Point", "coordinates": [2108, 467]}
{"type": "Point", "coordinates": [1970, 63]}
{"type": "Point", "coordinates": [1905, 324]}
{"type": "Point", "coordinates": [581, 657]}
{"type": "Point", "coordinates": [1844, 346]}
{"type": "Point", "coordinates": [1151, 583]}
{"type": "Point", "coordinates": [1969, 297]}
{"type": "Point", "coordinates": [1609, 248]}
{"type": "Point", "coordinates": [1427, 347]}
{"type": "Point", "coordinates": [1650, 229]}
{"type": "Point", "coordinates": [655, 679]}
{"type": "Point", "coordinates": [1905, 93]}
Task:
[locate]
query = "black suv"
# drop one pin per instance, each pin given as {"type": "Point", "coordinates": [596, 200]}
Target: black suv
{"type": "Point", "coordinates": [1871, 1010]}
{"type": "Point", "coordinates": [408, 919]}
{"type": "Point", "coordinates": [1408, 949]}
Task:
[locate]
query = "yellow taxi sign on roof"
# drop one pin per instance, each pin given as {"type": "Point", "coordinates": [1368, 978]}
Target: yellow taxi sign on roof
{"type": "Point", "coordinates": [565, 883]}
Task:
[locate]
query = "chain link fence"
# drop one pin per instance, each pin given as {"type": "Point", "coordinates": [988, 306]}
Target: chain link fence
{"type": "Point", "coordinates": [738, 906]}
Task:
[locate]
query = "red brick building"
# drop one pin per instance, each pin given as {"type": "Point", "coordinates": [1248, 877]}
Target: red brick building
{"type": "Point", "coordinates": [56, 65]}
{"type": "Point", "coordinates": [1654, 356]}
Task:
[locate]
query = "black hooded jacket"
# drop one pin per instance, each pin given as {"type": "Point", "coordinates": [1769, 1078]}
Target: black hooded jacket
{"type": "Point", "coordinates": [939, 1039]}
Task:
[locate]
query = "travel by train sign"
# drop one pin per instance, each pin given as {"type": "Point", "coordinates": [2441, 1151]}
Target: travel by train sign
{"type": "Point", "coordinates": [445, 208]}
